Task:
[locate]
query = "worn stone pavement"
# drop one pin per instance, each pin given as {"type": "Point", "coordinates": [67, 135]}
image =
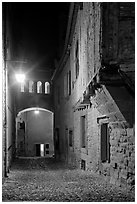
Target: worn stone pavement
{"type": "Point", "coordinates": [46, 180]}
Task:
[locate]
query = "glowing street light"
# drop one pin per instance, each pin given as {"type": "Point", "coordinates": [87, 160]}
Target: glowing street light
{"type": "Point", "coordinates": [20, 78]}
{"type": "Point", "coordinates": [36, 111]}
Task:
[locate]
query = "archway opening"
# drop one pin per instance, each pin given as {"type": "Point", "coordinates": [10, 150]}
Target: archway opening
{"type": "Point", "coordinates": [34, 133]}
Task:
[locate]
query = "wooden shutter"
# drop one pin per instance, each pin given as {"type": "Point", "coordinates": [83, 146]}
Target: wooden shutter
{"type": "Point", "coordinates": [104, 141]}
{"type": "Point", "coordinates": [83, 131]}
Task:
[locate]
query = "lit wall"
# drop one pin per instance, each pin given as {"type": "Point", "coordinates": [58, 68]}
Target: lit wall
{"type": "Point", "coordinates": [38, 130]}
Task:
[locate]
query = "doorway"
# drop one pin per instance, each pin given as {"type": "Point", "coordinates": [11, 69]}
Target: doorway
{"type": "Point", "coordinates": [40, 150]}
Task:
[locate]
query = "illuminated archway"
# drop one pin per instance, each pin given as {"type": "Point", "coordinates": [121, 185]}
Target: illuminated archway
{"type": "Point", "coordinates": [34, 132]}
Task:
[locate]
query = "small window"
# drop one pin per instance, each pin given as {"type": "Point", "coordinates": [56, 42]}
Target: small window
{"type": "Point", "coordinates": [58, 95]}
{"type": "Point", "coordinates": [39, 150]}
{"type": "Point", "coordinates": [31, 86]}
{"type": "Point", "coordinates": [57, 140]}
{"type": "Point", "coordinates": [47, 88]}
{"type": "Point", "coordinates": [83, 131]}
{"type": "Point", "coordinates": [77, 59]}
{"type": "Point", "coordinates": [70, 138]}
{"type": "Point", "coordinates": [69, 82]}
{"type": "Point", "coordinates": [39, 87]}
{"type": "Point", "coordinates": [47, 146]}
{"type": "Point", "coordinates": [22, 87]}
{"type": "Point", "coordinates": [83, 164]}
{"type": "Point", "coordinates": [47, 152]}
{"type": "Point", "coordinates": [65, 85]}
{"type": "Point", "coordinates": [105, 144]}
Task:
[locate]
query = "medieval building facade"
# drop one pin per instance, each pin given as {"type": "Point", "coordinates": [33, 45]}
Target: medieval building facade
{"type": "Point", "coordinates": [92, 88]}
{"type": "Point", "coordinates": [94, 91]}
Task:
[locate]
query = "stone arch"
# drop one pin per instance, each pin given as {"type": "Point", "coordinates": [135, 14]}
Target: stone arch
{"type": "Point", "coordinates": [34, 132]}
{"type": "Point", "coordinates": [33, 108]}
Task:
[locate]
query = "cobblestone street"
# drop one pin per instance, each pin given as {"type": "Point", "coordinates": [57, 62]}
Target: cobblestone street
{"type": "Point", "coordinates": [47, 180]}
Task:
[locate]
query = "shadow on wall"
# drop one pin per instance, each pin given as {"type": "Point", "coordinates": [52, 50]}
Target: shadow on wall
{"type": "Point", "coordinates": [125, 102]}
{"type": "Point", "coordinates": [34, 133]}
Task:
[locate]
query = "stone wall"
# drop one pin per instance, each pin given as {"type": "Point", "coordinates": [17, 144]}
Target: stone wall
{"type": "Point", "coordinates": [121, 169]}
{"type": "Point", "coordinates": [112, 103]}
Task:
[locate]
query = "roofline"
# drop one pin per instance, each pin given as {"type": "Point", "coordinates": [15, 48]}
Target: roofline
{"type": "Point", "coordinates": [69, 36]}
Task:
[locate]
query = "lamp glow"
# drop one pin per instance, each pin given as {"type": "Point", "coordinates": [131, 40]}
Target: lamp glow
{"type": "Point", "coordinates": [36, 111]}
{"type": "Point", "coordinates": [20, 78]}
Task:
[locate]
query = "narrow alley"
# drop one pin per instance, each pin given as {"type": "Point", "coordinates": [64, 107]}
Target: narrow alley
{"type": "Point", "coordinates": [68, 101]}
{"type": "Point", "coordinates": [44, 179]}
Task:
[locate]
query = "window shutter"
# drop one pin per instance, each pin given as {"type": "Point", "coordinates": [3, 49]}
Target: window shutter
{"type": "Point", "coordinates": [103, 142]}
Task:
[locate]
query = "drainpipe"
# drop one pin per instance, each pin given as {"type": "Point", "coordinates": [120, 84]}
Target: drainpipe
{"type": "Point", "coordinates": [4, 94]}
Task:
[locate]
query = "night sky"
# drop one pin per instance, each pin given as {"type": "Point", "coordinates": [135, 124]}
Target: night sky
{"type": "Point", "coordinates": [37, 30]}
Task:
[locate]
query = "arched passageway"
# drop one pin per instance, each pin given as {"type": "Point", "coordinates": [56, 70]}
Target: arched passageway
{"type": "Point", "coordinates": [34, 133]}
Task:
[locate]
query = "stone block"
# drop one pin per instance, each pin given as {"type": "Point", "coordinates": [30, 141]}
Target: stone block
{"type": "Point", "coordinates": [123, 132]}
{"type": "Point", "coordinates": [113, 142]}
{"type": "Point", "coordinates": [116, 174]}
{"type": "Point", "coordinates": [123, 173]}
{"type": "Point", "coordinates": [125, 139]}
{"type": "Point", "coordinates": [124, 145]}
{"type": "Point", "coordinates": [131, 164]}
{"type": "Point", "coordinates": [131, 181]}
{"type": "Point", "coordinates": [112, 180]}
{"type": "Point", "coordinates": [118, 183]}
{"type": "Point", "coordinates": [123, 181]}
{"type": "Point", "coordinates": [126, 161]}
{"type": "Point", "coordinates": [131, 170]}
{"type": "Point", "coordinates": [130, 132]}
{"type": "Point", "coordinates": [133, 155]}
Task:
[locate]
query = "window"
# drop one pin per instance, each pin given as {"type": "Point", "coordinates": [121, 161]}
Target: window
{"type": "Point", "coordinates": [22, 88]}
{"type": "Point", "coordinates": [105, 144]}
{"type": "Point", "coordinates": [47, 146]}
{"type": "Point", "coordinates": [77, 59]}
{"type": "Point", "coordinates": [31, 86]}
{"type": "Point", "coordinates": [39, 87]}
{"type": "Point", "coordinates": [47, 88]}
{"type": "Point", "coordinates": [65, 85]}
{"type": "Point", "coordinates": [83, 131]}
{"type": "Point", "coordinates": [58, 95]}
{"type": "Point", "coordinates": [57, 143]}
{"type": "Point", "coordinates": [83, 164]}
{"type": "Point", "coordinates": [47, 152]}
{"type": "Point", "coordinates": [70, 138]}
{"type": "Point", "coordinates": [39, 150]}
{"type": "Point", "coordinates": [69, 82]}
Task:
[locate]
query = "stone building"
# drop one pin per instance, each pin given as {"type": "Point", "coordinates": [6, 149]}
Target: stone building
{"type": "Point", "coordinates": [94, 91]}
{"type": "Point", "coordinates": [92, 87]}
{"type": "Point", "coordinates": [35, 92]}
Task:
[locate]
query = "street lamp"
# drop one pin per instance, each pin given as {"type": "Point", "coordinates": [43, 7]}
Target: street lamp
{"type": "Point", "coordinates": [36, 111]}
{"type": "Point", "coordinates": [20, 77]}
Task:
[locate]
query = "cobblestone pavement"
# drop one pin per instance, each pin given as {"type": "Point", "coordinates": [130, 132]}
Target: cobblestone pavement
{"type": "Point", "coordinates": [46, 180]}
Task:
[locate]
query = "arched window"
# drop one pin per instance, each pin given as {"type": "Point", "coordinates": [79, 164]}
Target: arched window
{"type": "Point", "coordinates": [31, 86]}
{"type": "Point", "coordinates": [39, 87]}
{"type": "Point", "coordinates": [47, 88]}
{"type": "Point", "coordinates": [22, 87]}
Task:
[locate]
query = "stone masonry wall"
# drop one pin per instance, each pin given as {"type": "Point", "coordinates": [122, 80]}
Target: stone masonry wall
{"type": "Point", "coordinates": [114, 103]}
{"type": "Point", "coordinates": [122, 143]}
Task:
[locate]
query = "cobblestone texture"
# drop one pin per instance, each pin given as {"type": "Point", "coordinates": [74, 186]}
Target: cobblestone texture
{"type": "Point", "coordinates": [47, 180]}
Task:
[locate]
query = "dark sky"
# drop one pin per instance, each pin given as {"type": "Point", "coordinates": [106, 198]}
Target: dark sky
{"type": "Point", "coordinates": [36, 30]}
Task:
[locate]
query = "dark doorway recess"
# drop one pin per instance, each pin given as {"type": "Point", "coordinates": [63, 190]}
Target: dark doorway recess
{"type": "Point", "coordinates": [38, 150]}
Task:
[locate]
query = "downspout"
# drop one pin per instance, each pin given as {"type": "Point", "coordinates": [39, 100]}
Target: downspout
{"type": "Point", "coordinates": [4, 91]}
